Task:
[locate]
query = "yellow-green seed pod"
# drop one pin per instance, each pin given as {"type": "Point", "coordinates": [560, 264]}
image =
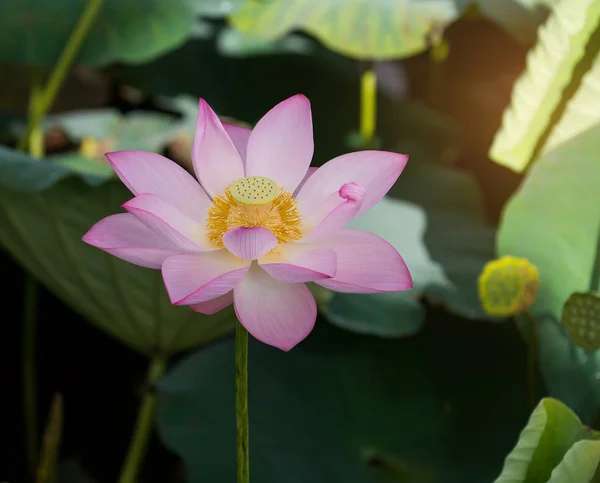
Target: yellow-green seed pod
{"type": "Point", "coordinates": [581, 320]}
{"type": "Point", "coordinates": [89, 147]}
{"type": "Point", "coordinates": [508, 286]}
{"type": "Point", "coordinates": [254, 190]}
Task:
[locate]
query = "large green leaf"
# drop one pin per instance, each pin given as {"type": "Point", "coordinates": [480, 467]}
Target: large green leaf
{"type": "Point", "coordinates": [356, 28]}
{"type": "Point", "coordinates": [553, 220]}
{"type": "Point", "coordinates": [438, 228]}
{"type": "Point", "coordinates": [537, 93]}
{"type": "Point", "coordinates": [340, 406]}
{"type": "Point", "coordinates": [143, 130]}
{"type": "Point", "coordinates": [44, 211]}
{"type": "Point", "coordinates": [561, 199]}
{"type": "Point", "coordinates": [110, 131]}
{"type": "Point", "coordinates": [35, 31]}
{"type": "Point", "coordinates": [560, 195]}
{"type": "Point", "coordinates": [580, 465]}
{"type": "Point", "coordinates": [580, 114]}
{"type": "Point", "coordinates": [18, 171]}
{"type": "Point", "coordinates": [551, 431]}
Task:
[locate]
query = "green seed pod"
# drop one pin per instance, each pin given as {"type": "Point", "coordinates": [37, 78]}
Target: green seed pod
{"type": "Point", "coordinates": [254, 190]}
{"type": "Point", "coordinates": [581, 319]}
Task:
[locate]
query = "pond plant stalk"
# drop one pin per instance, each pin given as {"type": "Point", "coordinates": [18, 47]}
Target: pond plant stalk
{"type": "Point", "coordinates": [144, 423]}
{"type": "Point", "coordinates": [241, 403]}
{"type": "Point", "coordinates": [41, 99]}
{"type": "Point", "coordinates": [35, 147]}
{"type": "Point", "coordinates": [61, 69]}
{"type": "Point", "coordinates": [532, 354]}
{"type": "Point", "coordinates": [368, 104]}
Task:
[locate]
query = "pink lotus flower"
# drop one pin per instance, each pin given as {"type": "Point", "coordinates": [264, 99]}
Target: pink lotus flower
{"type": "Point", "coordinates": [259, 224]}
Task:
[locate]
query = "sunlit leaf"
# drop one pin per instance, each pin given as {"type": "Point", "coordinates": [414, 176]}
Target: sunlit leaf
{"type": "Point", "coordinates": [580, 464]}
{"type": "Point", "coordinates": [552, 429]}
{"type": "Point", "coordinates": [35, 31]}
{"type": "Point", "coordinates": [552, 221]}
{"type": "Point", "coordinates": [347, 408]}
{"type": "Point", "coordinates": [581, 112]}
{"type": "Point", "coordinates": [537, 93]}
{"type": "Point", "coordinates": [42, 221]}
{"type": "Point", "coordinates": [356, 28]}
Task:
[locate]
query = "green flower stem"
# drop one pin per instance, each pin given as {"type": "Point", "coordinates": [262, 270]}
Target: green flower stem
{"type": "Point", "coordinates": [241, 403]}
{"type": "Point", "coordinates": [368, 103]}
{"type": "Point", "coordinates": [532, 354]}
{"type": "Point", "coordinates": [61, 68]}
{"type": "Point", "coordinates": [35, 142]}
{"type": "Point", "coordinates": [29, 378]}
{"type": "Point", "coordinates": [143, 424]}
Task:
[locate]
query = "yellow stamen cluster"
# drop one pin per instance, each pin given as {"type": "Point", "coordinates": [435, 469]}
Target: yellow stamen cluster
{"type": "Point", "coordinates": [508, 286]}
{"type": "Point", "coordinates": [277, 212]}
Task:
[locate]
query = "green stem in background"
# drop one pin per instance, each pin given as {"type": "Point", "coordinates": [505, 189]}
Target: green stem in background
{"type": "Point", "coordinates": [61, 68]}
{"type": "Point", "coordinates": [35, 142]}
{"type": "Point", "coordinates": [41, 99]}
{"type": "Point", "coordinates": [46, 471]}
{"type": "Point", "coordinates": [241, 403]}
{"type": "Point", "coordinates": [143, 424]}
{"type": "Point", "coordinates": [532, 354]}
{"type": "Point", "coordinates": [35, 145]}
{"type": "Point", "coordinates": [29, 379]}
{"type": "Point", "coordinates": [368, 104]}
